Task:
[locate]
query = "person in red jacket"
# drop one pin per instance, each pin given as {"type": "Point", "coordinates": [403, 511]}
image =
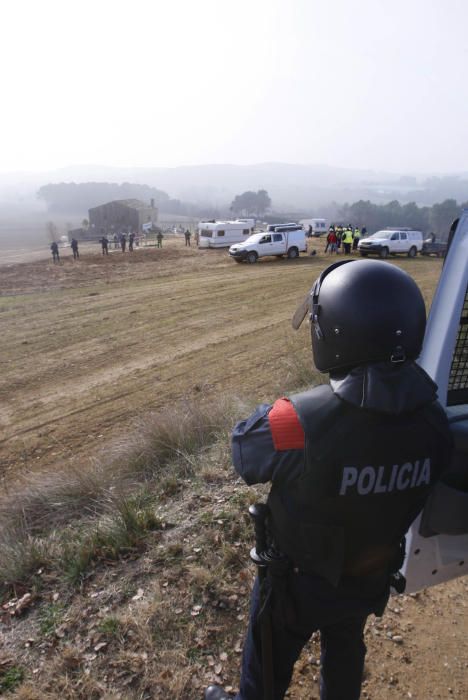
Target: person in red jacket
{"type": "Point", "coordinates": [351, 464]}
{"type": "Point", "coordinates": [332, 240]}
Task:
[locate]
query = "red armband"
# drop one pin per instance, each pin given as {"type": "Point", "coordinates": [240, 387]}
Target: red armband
{"type": "Point", "coordinates": [286, 430]}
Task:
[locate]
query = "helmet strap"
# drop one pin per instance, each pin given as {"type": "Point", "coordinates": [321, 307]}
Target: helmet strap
{"type": "Point", "coordinates": [398, 355]}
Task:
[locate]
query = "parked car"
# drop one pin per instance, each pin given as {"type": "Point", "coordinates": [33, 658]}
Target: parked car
{"type": "Point", "coordinates": [434, 247]}
{"type": "Point", "coordinates": [392, 242]}
{"type": "Point", "coordinates": [279, 243]}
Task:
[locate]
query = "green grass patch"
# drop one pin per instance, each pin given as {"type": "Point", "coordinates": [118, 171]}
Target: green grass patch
{"type": "Point", "coordinates": [50, 617]}
{"type": "Point", "coordinates": [111, 627]}
{"type": "Point", "coordinates": [123, 531]}
{"type": "Point", "coordinates": [11, 679]}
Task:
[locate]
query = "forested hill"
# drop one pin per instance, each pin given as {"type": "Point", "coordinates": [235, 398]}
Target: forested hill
{"type": "Point", "coordinates": [67, 197]}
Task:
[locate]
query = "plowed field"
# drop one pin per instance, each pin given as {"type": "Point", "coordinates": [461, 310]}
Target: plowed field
{"type": "Point", "coordinates": [88, 345]}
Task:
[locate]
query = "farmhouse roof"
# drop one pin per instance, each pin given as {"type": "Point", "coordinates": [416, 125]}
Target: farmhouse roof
{"type": "Point", "coordinates": [130, 203]}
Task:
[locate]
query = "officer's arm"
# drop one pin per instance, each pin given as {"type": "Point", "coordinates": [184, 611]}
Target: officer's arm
{"type": "Point", "coordinates": [269, 444]}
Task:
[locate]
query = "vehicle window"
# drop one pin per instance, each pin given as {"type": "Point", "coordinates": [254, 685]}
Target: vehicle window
{"type": "Point", "coordinates": [403, 237]}
{"type": "Point", "coordinates": [206, 234]}
{"type": "Point", "coordinates": [265, 239]}
{"type": "Point", "coordinates": [381, 234]}
{"type": "Point", "coordinates": [394, 237]}
{"type": "Point", "coordinates": [246, 231]}
{"type": "Point", "coordinates": [220, 233]}
{"type": "Point", "coordinates": [277, 237]}
{"type": "Point", "coordinates": [458, 379]}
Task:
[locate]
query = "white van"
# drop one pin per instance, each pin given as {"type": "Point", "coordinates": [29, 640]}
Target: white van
{"type": "Point", "coordinates": [391, 242]}
{"type": "Point", "coordinates": [279, 243]}
{"type": "Point", "coordinates": [314, 227]}
{"type": "Point", "coordinates": [222, 234]}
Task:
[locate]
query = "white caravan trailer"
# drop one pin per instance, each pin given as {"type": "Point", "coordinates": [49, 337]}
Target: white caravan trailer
{"type": "Point", "coordinates": [314, 227]}
{"type": "Point", "coordinates": [222, 234]}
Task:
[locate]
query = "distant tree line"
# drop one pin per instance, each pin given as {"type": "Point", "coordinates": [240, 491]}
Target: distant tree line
{"type": "Point", "coordinates": [77, 198]}
{"type": "Point", "coordinates": [436, 218]}
{"type": "Point", "coordinates": [377, 216]}
{"type": "Point", "coordinates": [251, 203]}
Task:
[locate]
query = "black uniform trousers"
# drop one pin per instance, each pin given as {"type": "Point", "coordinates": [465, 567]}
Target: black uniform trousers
{"type": "Point", "coordinates": [313, 604]}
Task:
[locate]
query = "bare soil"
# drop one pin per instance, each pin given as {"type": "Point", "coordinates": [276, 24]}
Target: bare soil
{"type": "Point", "coordinates": [87, 346]}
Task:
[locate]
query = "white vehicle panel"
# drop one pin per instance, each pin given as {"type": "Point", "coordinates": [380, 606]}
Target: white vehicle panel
{"type": "Point", "coordinates": [432, 560]}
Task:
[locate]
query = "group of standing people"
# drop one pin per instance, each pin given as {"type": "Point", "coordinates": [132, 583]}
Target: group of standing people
{"type": "Point", "coordinates": [54, 249]}
{"type": "Point", "coordinates": [346, 236]}
{"type": "Point", "coordinates": [120, 241]}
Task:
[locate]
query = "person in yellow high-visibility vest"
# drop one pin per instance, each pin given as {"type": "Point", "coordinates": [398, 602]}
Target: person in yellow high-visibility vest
{"type": "Point", "coordinates": [356, 237]}
{"type": "Point", "coordinates": [347, 240]}
{"type": "Point", "coordinates": [339, 234]}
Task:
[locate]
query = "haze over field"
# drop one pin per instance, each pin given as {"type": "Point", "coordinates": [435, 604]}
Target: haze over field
{"type": "Point", "coordinates": [312, 101]}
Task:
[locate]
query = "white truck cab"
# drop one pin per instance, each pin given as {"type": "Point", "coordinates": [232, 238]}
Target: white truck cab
{"type": "Point", "coordinates": [288, 242]}
{"type": "Point", "coordinates": [391, 242]}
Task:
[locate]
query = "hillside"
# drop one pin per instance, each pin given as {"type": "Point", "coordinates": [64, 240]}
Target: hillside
{"type": "Point", "coordinates": [125, 538]}
{"type": "Point", "coordinates": [292, 187]}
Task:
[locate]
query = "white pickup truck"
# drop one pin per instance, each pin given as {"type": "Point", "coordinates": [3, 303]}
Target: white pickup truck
{"type": "Point", "coordinates": [289, 243]}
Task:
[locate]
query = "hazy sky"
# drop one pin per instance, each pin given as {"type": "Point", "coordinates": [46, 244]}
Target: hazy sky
{"type": "Point", "coordinates": [355, 83]}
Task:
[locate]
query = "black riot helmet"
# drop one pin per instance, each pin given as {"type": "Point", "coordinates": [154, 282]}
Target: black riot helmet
{"type": "Point", "coordinates": [363, 311]}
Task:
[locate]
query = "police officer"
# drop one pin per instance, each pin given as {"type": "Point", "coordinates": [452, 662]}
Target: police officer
{"type": "Point", "coordinates": [351, 464]}
{"type": "Point", "coordinates": [74, 247]}
{"type": "Point", "coordinates": [104, 245]}
{"type": "Point", "coordinates": [54, 249]}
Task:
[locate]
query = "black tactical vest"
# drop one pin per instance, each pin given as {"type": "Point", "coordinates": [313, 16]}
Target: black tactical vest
{"type": "Point", "coordinates": [365, 478]}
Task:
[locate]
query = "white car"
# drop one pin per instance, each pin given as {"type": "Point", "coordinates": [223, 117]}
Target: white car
{"type": "Point", "coordinates": [391, 242]}
{"type": "Point", "coordinates": [279, 243]}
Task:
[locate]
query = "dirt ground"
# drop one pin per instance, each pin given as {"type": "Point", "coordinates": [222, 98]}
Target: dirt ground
{"type": "Point", "coordinates": [89, 345]}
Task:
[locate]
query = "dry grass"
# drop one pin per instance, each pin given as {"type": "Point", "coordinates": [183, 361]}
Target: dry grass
{"type": "Point", "coordinates": [68, 520]}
